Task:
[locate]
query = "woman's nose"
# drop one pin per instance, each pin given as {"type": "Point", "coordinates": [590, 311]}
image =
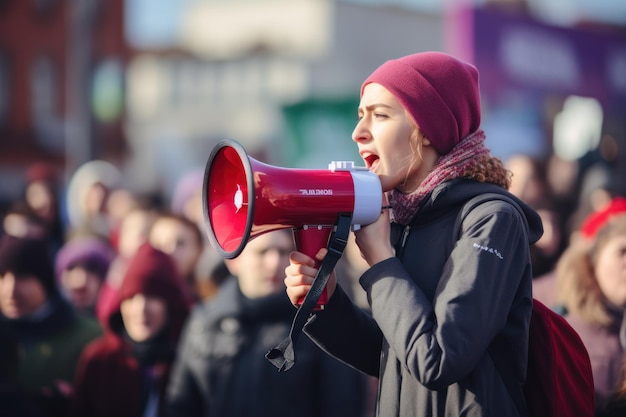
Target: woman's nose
{"type": "Point", "coordinates": [360, 132]}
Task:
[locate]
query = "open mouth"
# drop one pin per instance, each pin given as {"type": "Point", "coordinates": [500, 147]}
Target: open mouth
{"type": "Point", "coordinates": [371, 161]}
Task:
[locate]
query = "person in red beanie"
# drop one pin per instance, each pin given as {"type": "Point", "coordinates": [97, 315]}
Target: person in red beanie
{"type": "Point", "coordinates": [591, 288]}
{"type": "Point", "coordinates": [124, 373]}
{"type": "Point", "coordinates": [438, 303]}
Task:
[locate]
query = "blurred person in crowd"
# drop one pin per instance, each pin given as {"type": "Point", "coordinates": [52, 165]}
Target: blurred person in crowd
{"type": "Point", "coordinates": [87, 194]}
{"type": "Point", "coordinates": [529, 182]}
{"type": "Point", "coordinates": [81, 266]}
{"type": "Point", "coordinates": [547, 250]}
{"type": "Point", "coordinates": [124, 373]}
{"type": "Point", "coordinates": [616, 404]}
{"type": "Point", "coordinates": [180, 238]}
{"type": "Point", "coordinates": [20, 220]}
{"type": "Point", "coordinates": [119, 204]}
{"type": "Point", "coordinates": [187, 196]}
{"type": "Point", "coordinates": [42, 194]}
{"type": "Point", "coordinates": [134, 232]}
{"type": "Point", "coordinates": [211, 270]}
{"type": "Point", "coordinates": [591, 286]}
{"type": "Point", "coordinates": [528, 179]}
{"type": "Point", "coordinates": [220, 369]}
{"type": "Point", "coordinates": [14, 401]}
{"type": "Point", "coordinates": [49, 333]}
{"type": "Point", "coordinates": [595, 193]}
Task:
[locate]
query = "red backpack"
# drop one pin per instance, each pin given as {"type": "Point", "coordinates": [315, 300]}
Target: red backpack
{"type": "Point", "coordinates": [559, 381]}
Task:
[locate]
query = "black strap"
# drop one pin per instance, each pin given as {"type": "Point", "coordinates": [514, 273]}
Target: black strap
{"type": "Point", "coordinates": [283, 356]}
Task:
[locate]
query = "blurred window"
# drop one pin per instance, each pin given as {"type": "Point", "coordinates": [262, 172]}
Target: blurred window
{"type": "Point", "coordinates": [107, 95]}
{"type": "Point", "coordinates": [44, 89]}
{"type": "Point", "coordinates": [4, 88]}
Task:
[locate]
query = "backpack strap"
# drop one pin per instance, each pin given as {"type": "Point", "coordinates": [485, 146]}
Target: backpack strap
{"type": "Point", "coordinates": [498, 357]}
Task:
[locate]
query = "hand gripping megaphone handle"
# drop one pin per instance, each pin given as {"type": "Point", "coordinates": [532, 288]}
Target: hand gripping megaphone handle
{"type": "Point", "coordinates": [309, 240]}
{"type": "Point", "coordinates": [283, 356]}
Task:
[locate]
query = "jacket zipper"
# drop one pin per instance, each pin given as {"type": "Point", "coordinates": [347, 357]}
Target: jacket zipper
{"type": "Point", "coordinates": [405, 235]}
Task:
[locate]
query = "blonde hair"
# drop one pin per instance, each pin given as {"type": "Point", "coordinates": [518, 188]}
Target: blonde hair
{"type": "Point", "coordinates": [576, 284]}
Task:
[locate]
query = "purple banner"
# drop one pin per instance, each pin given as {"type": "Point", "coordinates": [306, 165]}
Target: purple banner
{"type": "Point", "coordinates": [514, 52]}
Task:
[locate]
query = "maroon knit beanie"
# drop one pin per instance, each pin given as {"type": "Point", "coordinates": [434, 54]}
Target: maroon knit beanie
{"type": "Point", "coordinates": [440, 92]}
{"type": "Point", "coordinates": [28, 256]}
{"type": "Point", "coordinates": [153, 272]}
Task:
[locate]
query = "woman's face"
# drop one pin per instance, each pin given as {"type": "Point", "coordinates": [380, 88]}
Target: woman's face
{"type": "Point", "coordinates": [177, 240]}
{"type": "Point", "coordinates": [383, 135]}
{"type": "Point", "coordinates": [20, 295]}
{"type": "Point", "coordinates": [81, 286]}
{"type": "Point", "coordinates": [610, 270]}
{"type": "Point", "coordinates": [144, 316]}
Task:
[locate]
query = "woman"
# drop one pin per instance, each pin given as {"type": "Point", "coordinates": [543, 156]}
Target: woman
{"type": "Point", "coordinates": [591, 286]}
{"type": "Point", "coordinates": [125, 372]}
{"type": "Point", "coordinates": [437, 304]}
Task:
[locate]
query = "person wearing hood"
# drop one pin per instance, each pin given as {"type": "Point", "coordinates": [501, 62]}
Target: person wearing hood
{"type": "Point", "coordinates": [124, 373]}
{"type": "Point", "coordinates": [49, 334]}
{"type": "Point", "coordinates": [438, 303]}
{"type": "Point", "coordinates": [221, 370]}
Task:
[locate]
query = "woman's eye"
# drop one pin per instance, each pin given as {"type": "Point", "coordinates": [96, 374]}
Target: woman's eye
{"type": "Point", "coordinates": [380, 115]}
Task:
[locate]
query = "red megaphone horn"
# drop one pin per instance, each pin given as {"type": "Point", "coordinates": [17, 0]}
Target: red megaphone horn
{"type": "Point", "coordinates": [244, 198]}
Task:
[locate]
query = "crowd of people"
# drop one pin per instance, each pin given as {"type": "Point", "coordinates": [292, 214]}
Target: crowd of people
{"type": "Point", "coordinates": [115, 304]}
{"type": "Point", "coordinates": [97, 305]}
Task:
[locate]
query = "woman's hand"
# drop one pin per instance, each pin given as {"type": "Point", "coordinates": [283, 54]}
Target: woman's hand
{"type": "Point", "coordinates": [374, 240]}
{"type": "Point", "coordinates": [300, 275]}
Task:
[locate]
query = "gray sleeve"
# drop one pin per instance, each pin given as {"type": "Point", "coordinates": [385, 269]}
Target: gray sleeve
{"type": "Point", "coordinates": [440, 342]}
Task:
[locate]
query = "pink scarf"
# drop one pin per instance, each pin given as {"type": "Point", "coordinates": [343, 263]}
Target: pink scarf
{"type": "Point", "coordinates": [450, 166]}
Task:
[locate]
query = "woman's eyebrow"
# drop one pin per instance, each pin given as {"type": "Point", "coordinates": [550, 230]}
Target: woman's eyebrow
{"type": "Point", "coordinates": [374, 106]}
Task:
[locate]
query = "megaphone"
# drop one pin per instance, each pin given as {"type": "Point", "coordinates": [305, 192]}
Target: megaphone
{"type": "Point", "coordinates": [243, 198]}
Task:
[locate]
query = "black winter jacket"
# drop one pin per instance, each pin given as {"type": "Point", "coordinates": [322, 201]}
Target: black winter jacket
{"type": "Point", "coordinates": [439, 305]}
{"type": "Point", "coordinates": [221, 370]}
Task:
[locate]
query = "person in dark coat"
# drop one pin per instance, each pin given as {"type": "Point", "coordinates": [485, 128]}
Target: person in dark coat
{"type": "Point", "coordinates": [49, 334]}
{"type": "Point", "coordinates": [443, 296]}
{"type": "Point", "coordinates": [221, 370]}
{"type": "Point", "coordinates": [14, 401]}
{"type": "Point", "coordinates": [124, 373]}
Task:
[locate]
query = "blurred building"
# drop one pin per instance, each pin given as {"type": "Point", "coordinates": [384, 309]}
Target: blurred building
{"type": "Point", "coordinates": [279, 76]}
{"type": "Point", "coordinates": [78, 80]}
{"type": "Point", "coordinates": [62, 69]}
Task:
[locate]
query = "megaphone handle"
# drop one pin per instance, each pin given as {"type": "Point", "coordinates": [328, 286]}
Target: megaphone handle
{"type": "Point", "coordinates": [283, 356]}
{"type": "Point", "coordinates": [309, 240]}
